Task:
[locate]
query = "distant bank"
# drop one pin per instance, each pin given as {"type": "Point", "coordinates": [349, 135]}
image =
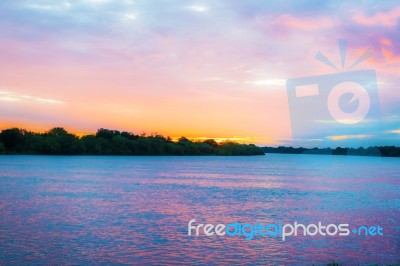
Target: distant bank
{"type": "Point", "coordinates": [384, 151]}
{"type": "Point", "coordinates": [58, 141]}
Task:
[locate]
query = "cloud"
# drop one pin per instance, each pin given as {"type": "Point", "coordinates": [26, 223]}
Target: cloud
{"type": "Point", "coordinates": [309, 23]}
{"type": "Point", "coordinates": [6, 96]}
{"type": "Point", "coordinates": [198, 8]}
{"type": "Point", "coordinates": [396, 131]}
{"type": "Point", "coordinates": [389, 50]}
{"type": "Point", "coordinates": [345, 137]}
{"type": "Point", "coordinates": [389, 19]}
{"type": "Point", "coordinates": [131, 16]}
{"type": "Point", "coordinates": [268, 82]}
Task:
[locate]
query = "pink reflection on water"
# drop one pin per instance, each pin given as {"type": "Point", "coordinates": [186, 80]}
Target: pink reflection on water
{"type": "Point", "coordinates": [139, 213]}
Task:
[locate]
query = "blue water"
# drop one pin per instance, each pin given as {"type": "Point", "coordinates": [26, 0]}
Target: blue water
{"type": "Point", "coordinates": [135, 210]}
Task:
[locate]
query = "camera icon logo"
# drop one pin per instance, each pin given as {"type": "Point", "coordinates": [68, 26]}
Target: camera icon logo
{"type": "Point", "coordinates": [344, 103]}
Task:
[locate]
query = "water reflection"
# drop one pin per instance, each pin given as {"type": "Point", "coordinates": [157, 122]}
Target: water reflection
{"type": "Point", "coordinates": [135, 210]}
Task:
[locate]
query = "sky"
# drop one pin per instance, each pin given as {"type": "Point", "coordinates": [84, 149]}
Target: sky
{"type": "Point", "coordinates": [200, 69]}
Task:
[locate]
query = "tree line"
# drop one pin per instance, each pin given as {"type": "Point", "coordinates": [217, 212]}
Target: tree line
{"type": "Point", "coordinates": [384, 151]}
{"type": "Point", "coordinates": [57, 141]}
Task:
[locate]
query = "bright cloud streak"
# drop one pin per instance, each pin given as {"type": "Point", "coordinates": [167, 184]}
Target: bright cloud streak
{"type": "Point", "coordinates": [15, 97]}
{"type": "Point", "coordinates": [198, 8]}
{"type": "Point", "coordinates": [396, 131]}
{"type": "Point", "coordinates": [344, 137]}
{"type": "Point", "coordinates": [131, 16]}
{"type": "Point", "coordinates": [269, 82]}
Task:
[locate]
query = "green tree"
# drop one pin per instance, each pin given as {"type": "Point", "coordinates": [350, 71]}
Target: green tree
{"type": "Point", "coordinates": [92, 146]}
{"type": "Point", "coordinates": [107, 133]}
{"type": "Point", "coordinates": [59, 141]}
{"type": "Point", "coordinates": [120, 145]}
{"type": "Point", "coordinates": [12, 138]}
{"type": "Point", "coordinates": [211, 142]}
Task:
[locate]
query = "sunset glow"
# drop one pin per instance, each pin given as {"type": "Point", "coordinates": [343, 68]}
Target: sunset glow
{"type": "Point", "coordinates": [196, 69]}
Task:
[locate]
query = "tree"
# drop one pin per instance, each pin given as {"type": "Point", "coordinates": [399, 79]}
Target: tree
{"type": "Point", "coordinates": [57, 132]}
{"type": "Point", "coordinates": [12, 138]}
{"type": "Point", "coordinates": [120, 145]}
{"type": "Point", "coordinates": [92, 146]}
{"type": "Point", "coordinates": [107, 133]}
{"type": "Point", "coordinates": [58, 141]}
{"type": "Point", "coordinates": [211, 142]}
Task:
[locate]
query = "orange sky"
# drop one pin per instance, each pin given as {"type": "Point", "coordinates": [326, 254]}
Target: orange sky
{"type": "Point", "coordinates": [196, 70]}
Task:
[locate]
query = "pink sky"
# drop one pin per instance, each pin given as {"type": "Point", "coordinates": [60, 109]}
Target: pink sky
{"type": "Point", "coordinates": [197, 69]}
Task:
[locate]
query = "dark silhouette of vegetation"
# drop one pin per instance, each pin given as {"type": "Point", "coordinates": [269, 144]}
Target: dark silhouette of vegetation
{"type": "Point", "coordinates": [58, 141]}
{"type": "Point", "coordinates": [384, 151]}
